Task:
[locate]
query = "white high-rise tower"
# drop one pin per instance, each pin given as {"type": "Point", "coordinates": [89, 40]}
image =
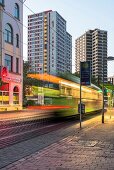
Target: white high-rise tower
{"type": "Point", "coordinates": [49, 44]}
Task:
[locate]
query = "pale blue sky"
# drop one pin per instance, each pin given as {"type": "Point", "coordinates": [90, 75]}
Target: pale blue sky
{"type": "Point", "coordinates": [81, 15]}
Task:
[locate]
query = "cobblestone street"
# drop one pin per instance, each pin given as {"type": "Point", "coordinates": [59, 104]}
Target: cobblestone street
{"type": "Point", "coordinates": [92, 147]}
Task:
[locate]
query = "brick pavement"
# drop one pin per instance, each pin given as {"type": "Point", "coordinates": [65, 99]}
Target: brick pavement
{"type": "Point", "coordinates": [92, 147]}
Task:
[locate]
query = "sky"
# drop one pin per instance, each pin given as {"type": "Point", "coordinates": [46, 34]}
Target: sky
{"type": "Point", "coordinates": [81, 15]}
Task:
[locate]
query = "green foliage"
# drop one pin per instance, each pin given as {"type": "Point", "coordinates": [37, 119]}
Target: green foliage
{"type": "Point", "coordinates": [109, 86]}
{"type": "Point", "coordinates": [76, 74]}
{"type": "Point", "coordinates": [28, 81]}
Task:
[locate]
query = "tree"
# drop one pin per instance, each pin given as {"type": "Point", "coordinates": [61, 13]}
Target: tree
{"type": "Point", "coordinates": [77, 74]}
{"type": "Point", "coordinates": [27, 82]}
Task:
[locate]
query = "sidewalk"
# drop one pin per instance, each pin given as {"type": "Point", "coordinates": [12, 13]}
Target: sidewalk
{"type": "Point", "coordinates": [90, 148]}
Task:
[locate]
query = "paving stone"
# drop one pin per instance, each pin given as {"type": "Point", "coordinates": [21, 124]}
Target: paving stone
{"type": "Point", "coordinates": [92, 148]}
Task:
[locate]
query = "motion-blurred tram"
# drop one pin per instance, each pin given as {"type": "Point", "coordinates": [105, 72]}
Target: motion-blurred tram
{"type": "Point", "coordinates": [63, 96]}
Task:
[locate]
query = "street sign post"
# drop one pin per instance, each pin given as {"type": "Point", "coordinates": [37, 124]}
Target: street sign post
{"type": "Point", "coordinates": [85, 73]}
{"type": "Point", "coordinates": [85, 80]}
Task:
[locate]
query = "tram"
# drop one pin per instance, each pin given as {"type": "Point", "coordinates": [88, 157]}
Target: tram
{"type": "Point", "coordinates": [63, 96]}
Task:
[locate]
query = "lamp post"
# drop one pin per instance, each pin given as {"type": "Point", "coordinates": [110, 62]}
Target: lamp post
{"type": "Point", "coordinates": [109, 58]}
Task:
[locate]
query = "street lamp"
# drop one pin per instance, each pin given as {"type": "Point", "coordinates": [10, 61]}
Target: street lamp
{"type": "Point", "coordinates": [109, 58]}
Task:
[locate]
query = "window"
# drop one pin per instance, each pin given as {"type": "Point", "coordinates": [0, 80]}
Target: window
{"type": "Point", "coordinates": [52, 23]}
{"type": "Point", "coordinates": [16, 14]}
{"type": "Point", "coordinates": [17, 65]}
{"type": "Point", "coordinates": [9, 34]}
{"type": "Point", "coordinates": [17, 40]}
{"type": "Point", "coordinates": [16, 95]}
{"type": "Point", "coordinates": [8, 62]}
{"type": "Point", "coordinates": [45, 46]}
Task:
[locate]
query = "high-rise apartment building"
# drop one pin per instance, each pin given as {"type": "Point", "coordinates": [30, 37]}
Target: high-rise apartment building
{"type": "Point", "coordinates": [49, 44]}
{"type": "Point", "coordinates": [11, 54]}
{"type": "Point", "coordinates": [92, 46]}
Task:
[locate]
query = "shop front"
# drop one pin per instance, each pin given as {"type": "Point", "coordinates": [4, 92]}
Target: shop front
{"type": "Point", "coordinates": [10, 91]}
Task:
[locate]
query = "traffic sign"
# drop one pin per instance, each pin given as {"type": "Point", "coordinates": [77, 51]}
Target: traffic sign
{"type": "Point", "coordinates": [85, 68]}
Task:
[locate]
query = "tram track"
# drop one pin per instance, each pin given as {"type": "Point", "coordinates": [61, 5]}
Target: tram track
{"type": "Point", "coordinates": [12, 132]}
{"type": "Point", "coordinates": [15, 132]}
{"type": "Point", "coordinates": [17, 128]}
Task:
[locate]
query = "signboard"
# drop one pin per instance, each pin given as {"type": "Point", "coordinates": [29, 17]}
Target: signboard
{"type": "Point", "coordinates": [9, 77]}
{"type": "Point", "coordinates": [4, 71]}
{"type": "Point", "coordinates": [85, 68]}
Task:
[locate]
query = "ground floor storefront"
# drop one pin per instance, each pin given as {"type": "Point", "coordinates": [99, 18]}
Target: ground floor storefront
{"type": "Point", "coordinates": [10, 92]}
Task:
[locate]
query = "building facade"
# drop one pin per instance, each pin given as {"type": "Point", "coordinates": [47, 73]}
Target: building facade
{"type": "Point", "coordinates": [49, 44]}
{"type": "Point", "coordinates": [92, 46]}
{"type": "Point", "coordinates": [11, 54]}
